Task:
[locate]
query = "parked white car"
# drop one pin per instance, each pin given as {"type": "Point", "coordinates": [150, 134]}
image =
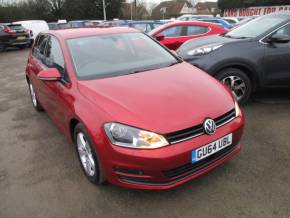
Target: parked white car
{"type": "Point", "coordinates": [189, 17]}
{"type": "Point", "coordinates": [36, 26]}
{"type": "Point", "coordinates": [232, 20]}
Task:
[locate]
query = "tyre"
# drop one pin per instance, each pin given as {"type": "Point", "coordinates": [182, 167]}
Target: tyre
{"type": "Point", "coordinates": [87, 155]}
{"type": "Point", "coordinates": [35, 103]}
{"type": "Point", "coordinates": [22, 46]}
{"type": "Point", "coordinates": [238, 82]}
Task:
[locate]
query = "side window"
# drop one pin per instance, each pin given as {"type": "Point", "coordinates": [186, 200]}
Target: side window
{"type": "Point", "coordinates": [173, 32]}
{"type": "Point", "coordinates": [54, 57]}
{"type": "Point", "coordinates": [1, 28]}
{"type": "Point", "coordinates": [196, 30]}
{"type": "Point", "coordinates": [284, 30]}
{"type": "Point", "coordinates": [39, 48]}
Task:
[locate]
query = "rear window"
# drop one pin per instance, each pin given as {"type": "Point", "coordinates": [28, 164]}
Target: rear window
{"type": "Point", "coordinates": [175, 31]}
{"type": "Point", "coordinates": [16, 27]}
{"type": "Point", "coordinates": [196, 30]}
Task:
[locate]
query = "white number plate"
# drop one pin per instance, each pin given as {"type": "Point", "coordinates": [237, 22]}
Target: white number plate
{"type": "Point", "coordinates": [211, 148]}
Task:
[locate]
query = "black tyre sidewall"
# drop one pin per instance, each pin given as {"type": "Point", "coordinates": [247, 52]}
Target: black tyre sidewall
{"type": "Point", "coordinates": [97, 178]}
{"type": "Point", "coordinates": [237, 72]}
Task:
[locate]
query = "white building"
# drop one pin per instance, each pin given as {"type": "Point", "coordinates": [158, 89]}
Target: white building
{"type": "Point", "coordinates": [6, 2]}
{"type": "Point", "coordinates": [194, 2]}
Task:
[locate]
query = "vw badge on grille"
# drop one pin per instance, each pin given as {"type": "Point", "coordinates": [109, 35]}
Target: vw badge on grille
{"type": "Point", "coordinates": [209, 126]}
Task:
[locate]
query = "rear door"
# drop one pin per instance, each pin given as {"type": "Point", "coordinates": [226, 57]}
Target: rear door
{"type": "Point", "coordinates": [174, 37]}
{"type": "Point", "coordinates": [36, 65]}
{"type": "Point", "coordinates": [277, 61]}
{"type": "Point", "coordinates": [195, 32]}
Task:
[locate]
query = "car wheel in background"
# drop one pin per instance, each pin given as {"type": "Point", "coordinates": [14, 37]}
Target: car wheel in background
{"type": "Point", "coordinates": [2, 49]}
{"type": "Point", "coordinates": [238, 82]}
{"type": "Point", "coordinates": [22, 46]}
{"type": "Point", "coordinates": [33, 96]}
{"type": "Point", "coordinates": [87, 155]}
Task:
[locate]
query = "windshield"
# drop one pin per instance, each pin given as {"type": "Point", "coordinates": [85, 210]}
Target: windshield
{"type": "Point", "coordinates": [255, 27]}
{"type": "Point", "coordinates": [118, 54]}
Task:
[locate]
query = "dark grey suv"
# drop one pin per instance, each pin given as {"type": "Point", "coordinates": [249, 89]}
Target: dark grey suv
{"type": "Point", "coordinates": [250, 57]}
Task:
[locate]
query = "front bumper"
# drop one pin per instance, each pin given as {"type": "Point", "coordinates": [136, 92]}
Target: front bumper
{"type": "Point", "coordinates": [170, 166]}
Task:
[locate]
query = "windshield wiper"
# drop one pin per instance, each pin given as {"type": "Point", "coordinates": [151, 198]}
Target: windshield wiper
{"type": "Point", "coordinates": [174, 63]}
{"type": "Point", "coordinates": [143, 70]}
{"type": "Point", "coordinates": [140, 71]}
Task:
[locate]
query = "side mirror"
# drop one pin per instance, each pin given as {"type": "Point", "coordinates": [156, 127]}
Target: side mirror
{"type": "Point", "coordinates": [279, 38]}
{"type": "Point", "coordinates": [51, 74]}
{"type": "Point", "coordinates": [159, 37]}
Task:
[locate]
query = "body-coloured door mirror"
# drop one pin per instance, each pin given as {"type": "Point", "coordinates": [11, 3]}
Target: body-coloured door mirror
{"type": "Point", "coordinates": [159, 37]}
{"type": "Point", "coordinates": [51, 74]}
{"type": "Point", "coordinates": [279, 38]}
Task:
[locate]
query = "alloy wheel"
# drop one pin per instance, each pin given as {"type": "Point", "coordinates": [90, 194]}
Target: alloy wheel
{"type": "Point", "coordinates": [85, 154]}
{"type": "Point", "coordinates": [33, 95]}
{"type": "Point", "coordinates": [237, 85]}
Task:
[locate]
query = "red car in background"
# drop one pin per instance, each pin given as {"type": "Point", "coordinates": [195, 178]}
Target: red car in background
{"type": "Point", "coordinates": [139, 116]}
{"type": "Point", "coordinates": [173, 35]}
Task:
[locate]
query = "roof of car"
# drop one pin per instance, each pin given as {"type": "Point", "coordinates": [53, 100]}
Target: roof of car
{"type": "Point", "coordinates": [87, 32]}
{"type": "Point", "coordinates": [145, 21]}
{"type": "Point", "coordinates": [78, 21]}
{"type": "Point", "coordinates": [182, 23]}
{"type": "Point", "coordinates": [188, 23]}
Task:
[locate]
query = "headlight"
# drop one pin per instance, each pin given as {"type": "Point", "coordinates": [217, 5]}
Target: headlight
{"type": "Point", "coordinates": [237, 109]}
{"type": "Point", "coordinates": [204, 50]}
{"type": "Point", "coordinates": [130, 137]}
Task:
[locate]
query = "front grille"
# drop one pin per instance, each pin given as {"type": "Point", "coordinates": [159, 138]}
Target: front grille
{"type": "Point", "coordinates": [201, 165]}
{"type": "Point", "coordinates": [192, 132]}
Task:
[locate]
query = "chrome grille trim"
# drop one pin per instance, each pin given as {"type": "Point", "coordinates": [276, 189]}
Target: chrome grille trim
{"type": "Point", "coordinates": [198, 129]}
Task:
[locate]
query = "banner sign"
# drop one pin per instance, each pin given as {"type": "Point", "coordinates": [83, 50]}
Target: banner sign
{"type": "Point", "coordinates": [255, 11]}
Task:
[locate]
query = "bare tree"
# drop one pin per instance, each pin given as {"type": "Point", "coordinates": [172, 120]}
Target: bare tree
{"type": "Point", "coordinates": [56, 7]}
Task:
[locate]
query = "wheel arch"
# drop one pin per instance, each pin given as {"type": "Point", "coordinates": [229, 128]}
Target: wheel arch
{"type": "Point", "coordinates": [27, 78]}
{"type": "Point", "coordinates": [72, 124]}
{"type": "Point", "coordinates": [247, 69]}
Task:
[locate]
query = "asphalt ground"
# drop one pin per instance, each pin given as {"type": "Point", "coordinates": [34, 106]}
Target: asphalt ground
{"type": "Point", "coordinates": [40, 174]}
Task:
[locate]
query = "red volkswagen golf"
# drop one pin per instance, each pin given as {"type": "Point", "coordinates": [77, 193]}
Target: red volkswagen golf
{"type": "Point", "coordinates": [174, 34]}
{"type": "Point", "coordinates": [138, 116]}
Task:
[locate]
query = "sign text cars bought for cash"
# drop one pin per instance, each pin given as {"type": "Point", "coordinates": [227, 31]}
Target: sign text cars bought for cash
{"type": "Point", "coordinates": [255, 11]}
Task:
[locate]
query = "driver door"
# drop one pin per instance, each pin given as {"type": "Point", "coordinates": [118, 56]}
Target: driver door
{"type": "Point", "coordinates": [277, 61]}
